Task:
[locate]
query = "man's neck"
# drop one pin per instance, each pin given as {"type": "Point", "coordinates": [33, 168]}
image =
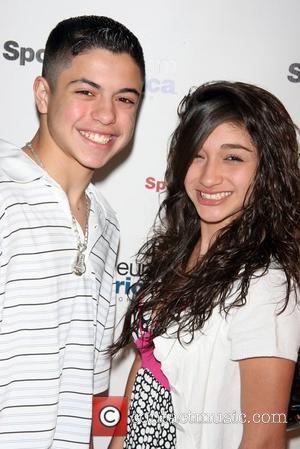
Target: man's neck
{"type": "Point", "coordinates": [69, 174]}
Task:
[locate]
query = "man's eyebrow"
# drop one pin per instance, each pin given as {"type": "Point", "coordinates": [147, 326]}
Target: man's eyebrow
{"type": "Point", "coordinates": [98, 86]}
{"type": "Point", "coordinates": [232, 146]}
{"type": "Point", "coordinates": [86, 81]}
{"type": "Point", "coordinates": [129, 90]}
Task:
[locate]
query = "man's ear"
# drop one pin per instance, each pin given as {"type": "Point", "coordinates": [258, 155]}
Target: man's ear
{"type": "Point", "coordinates": [41, 91]}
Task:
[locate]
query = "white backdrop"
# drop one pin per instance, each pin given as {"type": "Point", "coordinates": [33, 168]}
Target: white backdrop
{"type": "Point", "coordinates": [186, 42]}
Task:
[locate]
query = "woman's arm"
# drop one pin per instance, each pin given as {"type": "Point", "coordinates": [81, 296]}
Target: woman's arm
{"type": "Point", "coordinates": [117, 442]}
{"type": "Point", "coordinates": [265, 391]}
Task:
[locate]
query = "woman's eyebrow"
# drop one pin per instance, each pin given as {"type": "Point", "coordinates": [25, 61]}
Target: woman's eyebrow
{"type": "Point", "coordinates": [231, 146]}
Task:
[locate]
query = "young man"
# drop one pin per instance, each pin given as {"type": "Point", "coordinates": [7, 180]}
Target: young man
{"type": "Point", "coordinates": [59, 237]}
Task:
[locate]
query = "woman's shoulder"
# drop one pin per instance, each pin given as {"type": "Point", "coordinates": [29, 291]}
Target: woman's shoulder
{"type": "Point", "coordinates": [268, 295]}
{"type": "Point", "coordinates": [272, 284]}
{"type": "Point", "coordinates": [268, 324]}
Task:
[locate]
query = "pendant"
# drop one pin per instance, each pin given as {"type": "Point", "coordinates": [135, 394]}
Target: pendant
{"type": "Point", "coordinates": [79, 265]}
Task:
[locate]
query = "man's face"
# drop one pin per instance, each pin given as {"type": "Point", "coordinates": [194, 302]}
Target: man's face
{"type": "Point", "coordinates": [91, 112]}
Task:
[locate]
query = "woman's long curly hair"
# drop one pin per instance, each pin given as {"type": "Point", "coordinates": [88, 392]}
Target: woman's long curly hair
{"type": "Point", "coordinates": [266, 230]}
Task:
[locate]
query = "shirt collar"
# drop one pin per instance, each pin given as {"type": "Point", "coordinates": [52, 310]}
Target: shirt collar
{"type": "Point", "coordinates": [21, 168]}
{"type": "Point", "coordinates": [17, 165]}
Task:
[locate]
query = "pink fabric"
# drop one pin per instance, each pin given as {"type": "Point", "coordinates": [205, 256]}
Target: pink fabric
{"type": "Point", "coordinates": [149, 362]}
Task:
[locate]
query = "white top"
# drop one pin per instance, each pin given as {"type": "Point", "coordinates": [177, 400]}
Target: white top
{"type": "Point", "coordinates": [204, 375]}
{"type": "Point", "coordinates": [54, 325]}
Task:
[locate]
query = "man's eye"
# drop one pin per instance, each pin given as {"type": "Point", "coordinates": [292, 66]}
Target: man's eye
{"type": "Point", "coordinates": [84, 92]}
{"type": "Point", "coordinates": [126, 100]}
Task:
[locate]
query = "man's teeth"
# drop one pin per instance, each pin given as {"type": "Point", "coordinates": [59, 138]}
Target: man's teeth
{"type": "Point", "coordinates": [215, 196]}
{"type": "Point", "coordinates": [95, 137]}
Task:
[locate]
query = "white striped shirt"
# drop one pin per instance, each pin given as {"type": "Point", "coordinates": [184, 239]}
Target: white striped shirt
{"type": "Point", "coordinates": [54, 325]}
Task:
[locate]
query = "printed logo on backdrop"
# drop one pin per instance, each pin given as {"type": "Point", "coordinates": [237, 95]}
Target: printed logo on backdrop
{"type": "Point", "coordinates": [127, 276]}
{"type": "Point", "coordinates": [13, 51]}
{"type": "Point", "coordinates": [161, 74]}
{"type": "Point", "coordinates": [128, 273]}
{"type": "Point", "coordinates": [294, 72]}
{"type": "Point", "coordinates": [161, 71]}
{"type": "Point", "coordinates": [155, 185]}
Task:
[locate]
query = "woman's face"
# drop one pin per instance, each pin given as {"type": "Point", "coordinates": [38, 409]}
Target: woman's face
{"type": "Point", "coordinates": [220, 175]}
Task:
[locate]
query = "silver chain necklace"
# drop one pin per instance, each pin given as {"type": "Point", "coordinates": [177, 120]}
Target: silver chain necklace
{"type": "Point", "coordinates": [79, 266]}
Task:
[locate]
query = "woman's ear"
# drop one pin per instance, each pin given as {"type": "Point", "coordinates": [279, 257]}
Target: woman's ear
{"type": "Point", "coordinates": [41, 91]}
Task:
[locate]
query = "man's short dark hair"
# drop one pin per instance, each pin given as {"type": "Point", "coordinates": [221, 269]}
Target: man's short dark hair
{"type": "Point", "coordinates": [77, 35]}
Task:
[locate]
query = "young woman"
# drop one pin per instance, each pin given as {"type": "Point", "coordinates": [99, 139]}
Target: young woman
{"type": "Point", "coordinates": [216, 318]}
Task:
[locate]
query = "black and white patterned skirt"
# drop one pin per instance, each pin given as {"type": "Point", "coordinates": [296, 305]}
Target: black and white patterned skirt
{"type": "Point", "coordinates": [150, 421]}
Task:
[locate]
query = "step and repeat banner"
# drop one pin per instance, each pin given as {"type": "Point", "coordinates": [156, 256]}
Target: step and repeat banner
{"type": "Point", "coordinates": [185, 43]}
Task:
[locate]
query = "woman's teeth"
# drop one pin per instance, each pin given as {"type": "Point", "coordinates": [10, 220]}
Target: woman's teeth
{"type": "Point", "coordinates": [214, 196]}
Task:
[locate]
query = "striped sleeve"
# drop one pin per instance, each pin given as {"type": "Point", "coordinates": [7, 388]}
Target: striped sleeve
{"type": "Point", "coordinates": [102, 358]}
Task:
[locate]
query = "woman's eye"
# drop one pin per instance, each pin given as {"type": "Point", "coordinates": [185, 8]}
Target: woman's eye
{"type": "Point", "coordinates": [233, 157]}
